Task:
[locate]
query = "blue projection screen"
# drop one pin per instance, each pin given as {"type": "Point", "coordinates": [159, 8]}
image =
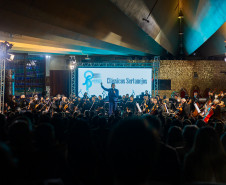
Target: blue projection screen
{"type": "Point", "coordinates": [127, 80]}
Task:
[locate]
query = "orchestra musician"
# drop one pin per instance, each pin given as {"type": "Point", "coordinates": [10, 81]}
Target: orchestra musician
{"type": "Point", "coordinates": [130, 105]}
{"type": "Point", "coordinates": [94, 103]}
{"type": "Point", "coordinates": [211, 96]}
{"type": "Point", "coordinates": [146, 104]}
{"type": "Point", "coordinates": [85, 97]}
{"type": "Point", "coordinates": [147, 94]}
{"type": "Point", "coordinates": [64, 104]}
{"type": "Point", "coordinates": [126, 97]}
{"type": "Point", "coordinates": [57, 102]}
{"type": "Point", "coordinates": [185, 109]}
{"type": "Point", "coordinates": [175, 102]}
{"type": "Point", "coordinates": [12, 104]}
{"type": "Point", "coordinates": [154, 109]}
{"type": "Point", "coordinates": [165, 106]}
{"type": "Point", "coordinates": [159, 99]}
{"type": "Point", "coordinates": [86, 104]}
{"type": "Point", "coordinates": [113, 94]}
{"type": "Point", "coordinates": [149, 105]}
{"type": "Point", "coordinates": [100, 101]}
{"type": "Point", "coordinates": [194, 100]}
{"type": "Point", "coordinates": [23, 103]}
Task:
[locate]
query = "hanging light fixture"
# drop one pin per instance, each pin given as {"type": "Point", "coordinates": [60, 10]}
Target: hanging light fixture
{"type": "Point", "coordinates": [181, 15]}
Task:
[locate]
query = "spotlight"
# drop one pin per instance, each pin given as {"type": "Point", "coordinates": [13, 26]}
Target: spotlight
{"type": "Point", "coordinates": [87, 58]}
{"type": "Point", "coordinates": [72, 67]}
{"type": "Point", "coordinates": [10, 57]}
{"type": "Point", "coordinates": [47, 56]}
{"type": "Point", "coordinates": [225, 59]}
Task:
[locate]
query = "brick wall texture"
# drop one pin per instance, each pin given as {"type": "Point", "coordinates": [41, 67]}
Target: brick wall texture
{"type": "Point", "coordinates": [181, 74]}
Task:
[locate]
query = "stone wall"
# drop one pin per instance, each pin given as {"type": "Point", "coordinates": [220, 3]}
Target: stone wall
{"type": "Point", "coordinates": [181, 74]}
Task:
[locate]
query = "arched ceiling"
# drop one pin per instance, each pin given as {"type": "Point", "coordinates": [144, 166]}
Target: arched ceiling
{"type": "Point", "coordinates": [203, 20]}
{"type": "Point", "coordinates": [113, 27]}
{"type": "Point", "coordinates": [83, 25]}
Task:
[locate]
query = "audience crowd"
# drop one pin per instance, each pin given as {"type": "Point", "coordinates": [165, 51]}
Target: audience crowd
{"type": "Point", "coordinates": [90, 149]}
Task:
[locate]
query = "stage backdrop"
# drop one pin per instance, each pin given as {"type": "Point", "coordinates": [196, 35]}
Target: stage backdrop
{"type": "Point", "coordinates": [127, 80]}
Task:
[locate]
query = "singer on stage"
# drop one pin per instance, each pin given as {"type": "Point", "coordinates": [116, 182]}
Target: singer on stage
{"type": "Point", "coordinates": [113, 94]}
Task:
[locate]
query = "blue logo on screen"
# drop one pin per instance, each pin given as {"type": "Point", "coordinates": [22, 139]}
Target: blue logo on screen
{"type": "Point", "coordinates": [88, 75]}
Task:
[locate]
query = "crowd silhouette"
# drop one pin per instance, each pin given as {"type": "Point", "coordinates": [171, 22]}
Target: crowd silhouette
{"type": "Point", "coordinates": [89, 149]}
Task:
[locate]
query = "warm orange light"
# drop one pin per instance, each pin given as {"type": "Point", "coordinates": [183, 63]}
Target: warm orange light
{"type": "Point", "coordinates": [19, 46]}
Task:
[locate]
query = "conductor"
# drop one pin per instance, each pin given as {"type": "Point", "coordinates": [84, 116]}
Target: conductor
{"type": "Point", "coordinates": [113, 94]}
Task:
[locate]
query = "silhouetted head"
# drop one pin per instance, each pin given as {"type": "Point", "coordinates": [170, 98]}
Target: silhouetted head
{"type": "Point", "coordinates": [7, 167]}
{"type": "Point", "coordinates": [189, 133]}
{"type": "Point", "coordinates": [223, 141]}
{"type": "Point", "coordinates": [132, 151]}
{"type": "Point", "coordinates": [153, 122]}
{"type": "Point", "coordinates": [174, 137]}
{"type": "Point", "coordinates": [207, 142]}
{"type": "Point", "coordinates": [200, 123]}
{"type": "Point", "coordinates": [219, 128]}
{"type": "Point", "coordinates": [20, 134]}
{"type": "Point", "coordinates": [44, 135]}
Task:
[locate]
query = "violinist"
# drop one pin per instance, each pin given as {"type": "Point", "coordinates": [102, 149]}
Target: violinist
{"type": "Point", "coordinates": [146, 104]}
{"type": "Point", "coordinates": [39, 106]}
{"type": "Point", "coordinates": [154, 110]}
{"type": "Point", "coordinates": [64, 104]}
{"type": "Point", "coordinates": [210, 96]}
{"type": "Point", "coordinates": [223, 98]}
{"type": "Point", "coordinates": [32, 104]}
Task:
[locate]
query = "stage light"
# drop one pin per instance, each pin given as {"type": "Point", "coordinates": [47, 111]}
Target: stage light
{"type": "Point", "coordinates": [10, 57]}
{"type": "Point", "coordinates": [47, 56]}
{"type": "Point", "coordinates": [31, 63]}
{"type": "Point", "coordinates": [180, 16]}
{"type": "Point", "coordinates": [72, 67]}
{"type": "Point", "coordinates": [87, 58]}
{"type": "Point", "coordinates": [225, 59]}
{"type": "Point", "coordinates": [7, 45]}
